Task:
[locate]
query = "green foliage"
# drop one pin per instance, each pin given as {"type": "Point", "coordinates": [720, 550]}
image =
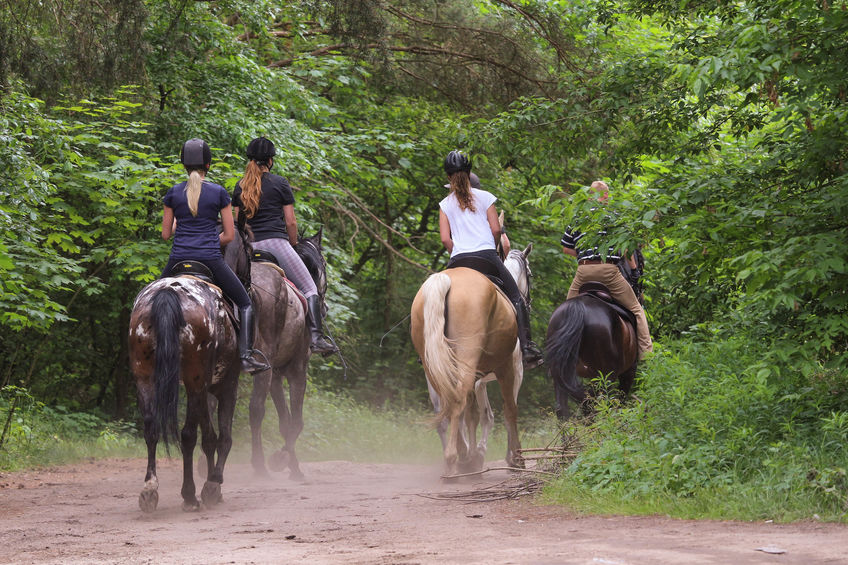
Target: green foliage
{"type": "Point", "coordinates": [715, 424]}
{"type": "Point", "coordinates": [35, 434]}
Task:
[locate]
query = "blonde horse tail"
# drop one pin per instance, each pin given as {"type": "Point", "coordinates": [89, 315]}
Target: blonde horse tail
{"type": "Point", "coordinates": [440, 361]}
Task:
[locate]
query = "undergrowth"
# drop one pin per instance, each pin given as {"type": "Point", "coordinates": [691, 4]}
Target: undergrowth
{"type": "Point", "coordinates": [716, 433]}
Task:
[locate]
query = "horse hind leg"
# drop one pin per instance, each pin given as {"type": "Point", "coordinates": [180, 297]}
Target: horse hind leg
{"type": "Point", "coordinates": [227, 394]}
{"type": "Point", "coordinates": [291, 420]}
{"type": "Point", "coordinates": [148, 499]}
{"type": "Point", "coordinates": [196, 408]}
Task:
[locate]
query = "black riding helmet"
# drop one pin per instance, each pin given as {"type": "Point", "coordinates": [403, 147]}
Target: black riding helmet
{"type": "Point", "coordinates": [260, 149]}
{"type": "Point", "coordinates": [195, 153]}
{"type": "Point", "coordinates": [457, 161]}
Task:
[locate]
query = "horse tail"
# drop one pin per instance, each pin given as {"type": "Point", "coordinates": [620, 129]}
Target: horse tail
{"type": "Point", "coordinates": [562, 347]}
{"type": "Point", "coordinates": [168, 320]}
{"type": "Point", "coordinates": [439, 357]}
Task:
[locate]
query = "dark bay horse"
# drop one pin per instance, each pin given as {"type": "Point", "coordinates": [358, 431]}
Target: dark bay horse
{"type": "Point", "coordinates": [465, 332]}
{"type": "Point", "coordinates": [282, 335]}
{"type": "Point", "coordinates": [181, 331]}
{"type": "Point", "coordinates": [588, 338]}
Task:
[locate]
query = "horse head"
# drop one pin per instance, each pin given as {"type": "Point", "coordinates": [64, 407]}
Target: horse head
{"type": "Point", "coordinates": [311, 252]}
{"type": "Point", "coordinates": [519, 267]}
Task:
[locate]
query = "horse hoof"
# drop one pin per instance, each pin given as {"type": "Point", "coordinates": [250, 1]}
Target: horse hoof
{"type": "Point", "coordinates": [191, 506]}
{"type": "Point", "coordinates": [279, 460]}
{"type": "Point", "coordinates": [211, 493]}
{"type": "Point", "coordinates": [148, 500]}
{"type": "Point", "coordinates": [297, 475]}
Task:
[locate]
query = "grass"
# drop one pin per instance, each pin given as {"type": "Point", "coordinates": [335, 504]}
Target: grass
{"type": "Point", "coordinates": [335, 428]}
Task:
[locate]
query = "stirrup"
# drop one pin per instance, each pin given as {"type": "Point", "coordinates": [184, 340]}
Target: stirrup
{"type": "Point", "coordinates": [531, 357]}
{"type": "Point", "coordinates": [323, 347]}
{"type": "Point", "coordinates": [251, 365]}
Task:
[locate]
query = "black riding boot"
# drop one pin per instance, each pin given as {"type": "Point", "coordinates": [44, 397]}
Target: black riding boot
{"type": "Point", "coordinates": [530, 353]}
{"type": "Point", "coordinates": [313, 318]}
{"type": "Point", "coordinates": [245, 342]}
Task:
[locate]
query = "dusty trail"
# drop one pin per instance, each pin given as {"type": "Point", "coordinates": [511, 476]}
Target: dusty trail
{"type": "Point", "coordinates": [356, 513]}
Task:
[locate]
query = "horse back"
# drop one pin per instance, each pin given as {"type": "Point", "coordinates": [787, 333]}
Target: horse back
{"type": "Point", "coordinates": [609, 341]}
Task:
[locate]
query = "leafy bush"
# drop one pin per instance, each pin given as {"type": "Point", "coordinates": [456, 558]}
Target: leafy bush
{"type": "Point", "coordinates": [714, 424]}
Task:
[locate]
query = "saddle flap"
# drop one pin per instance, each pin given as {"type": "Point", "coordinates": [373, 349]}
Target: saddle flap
{"type": "Point", "coordinates": [194, 268]}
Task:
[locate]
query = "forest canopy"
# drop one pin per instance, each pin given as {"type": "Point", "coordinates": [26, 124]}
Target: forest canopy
{"type": "Point", "coordinates": [720, 128]}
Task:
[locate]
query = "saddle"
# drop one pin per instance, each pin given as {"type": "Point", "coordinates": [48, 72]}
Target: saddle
{"type": "Point", "coordinates": [483, 267]}
{"type": "Point", "coordinates": [199, 271]}
{"type": "Point", "coordinates": [262, 256]}
{"type": "Point", "coordinates": [193, 268]}
{"type": "Point", "coordinates": [601, 292]}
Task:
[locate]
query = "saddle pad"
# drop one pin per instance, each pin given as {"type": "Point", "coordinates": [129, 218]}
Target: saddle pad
{"type": "Point", "coordinates": [297, 293]}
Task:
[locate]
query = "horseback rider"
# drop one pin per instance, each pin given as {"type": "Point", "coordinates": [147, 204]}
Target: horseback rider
{"type": "Point", "coordinates": [468, 225]}
{"type": "Point", "coordinates": [592, 266]}
{"type": "Point", "coordinates": [191, 211]}
{"type": "Point", "coordinates": [268, 203]}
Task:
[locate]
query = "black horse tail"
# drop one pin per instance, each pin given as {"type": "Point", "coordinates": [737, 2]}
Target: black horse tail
{"type": "Point", "coordinates": [168, 320]}
{"type": "Point", "coordinates": [562, 347]}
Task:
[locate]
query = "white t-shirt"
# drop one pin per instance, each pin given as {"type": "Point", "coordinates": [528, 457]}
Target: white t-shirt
{"type": "Point", "coordinates": [470, 231]}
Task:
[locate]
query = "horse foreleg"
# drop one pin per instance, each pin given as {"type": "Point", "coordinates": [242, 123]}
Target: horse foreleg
{"type": "Point", "coordinates": [211, 493]}
{"type": "Point", "coordinates": [487, 419]}
{"type": "Point", "coordinates": [148, 499]}
{"type": "Point", "coordinates": [261, 385]}
{"type": "Point", "coordinates": [297, 392]}
{"type": "Point", "coordinates": [196, 410]}
{"type": "Point", "coordinates": [507, 381]}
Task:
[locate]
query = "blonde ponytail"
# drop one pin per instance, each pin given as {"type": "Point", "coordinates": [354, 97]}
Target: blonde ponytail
{"type": "Point", "coordinates": [192, 188]}
{"type": "Point", "coordinates": [251, 188]}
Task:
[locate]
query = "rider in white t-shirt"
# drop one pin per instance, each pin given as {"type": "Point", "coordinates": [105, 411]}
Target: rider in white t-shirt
{"type": "Point", "coordinates": [468, 225]}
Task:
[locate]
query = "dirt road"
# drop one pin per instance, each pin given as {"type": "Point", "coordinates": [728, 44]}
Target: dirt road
{"type": "Point", "coordinates": [357, 513]}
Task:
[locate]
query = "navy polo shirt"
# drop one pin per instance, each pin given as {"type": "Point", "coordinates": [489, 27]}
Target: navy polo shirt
{"type": "Point", "coordinates": [197, 236]}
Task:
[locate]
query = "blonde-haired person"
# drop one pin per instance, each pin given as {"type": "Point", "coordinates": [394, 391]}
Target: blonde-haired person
{"type": "Point", "coordinates": [592, 266]}
{"type": "Point", "coordinates": [190, 215]}
{"type": "Point", "coordinates": [469, 226]}
{"type": "Point", "coordinates": [268, 203]}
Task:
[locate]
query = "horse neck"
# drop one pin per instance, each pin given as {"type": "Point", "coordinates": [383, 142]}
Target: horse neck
{"type": "Point", "coordinates": [517, 267]}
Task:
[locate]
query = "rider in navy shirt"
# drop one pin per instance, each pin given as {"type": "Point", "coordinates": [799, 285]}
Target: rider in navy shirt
{"type": "Point", "coordinates": [191, 212]}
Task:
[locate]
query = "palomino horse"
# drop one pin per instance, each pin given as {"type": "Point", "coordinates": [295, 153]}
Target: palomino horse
{"type": "Point", "coordinates": [180, 330]}
{"type": "Point", "coordinates": [465, 332]}
{"type": "Point", "coordinates": [589, 337]}
{"type": "Point", "coordinates": [282, 335]}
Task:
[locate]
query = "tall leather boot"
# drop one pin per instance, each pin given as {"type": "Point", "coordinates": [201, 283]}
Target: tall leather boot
{"type": "Point", "coordinates": [531, 356]}
{"type": "Point", "coordinates": [319, 343]}
{"type": "Point", "coordinates": [245, 342]}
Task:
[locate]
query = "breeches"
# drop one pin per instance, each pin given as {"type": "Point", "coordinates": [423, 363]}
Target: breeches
{"type": "Point", "coordinates": [291, 263]}
{"type": "Point", "coordinates": [609, 275]}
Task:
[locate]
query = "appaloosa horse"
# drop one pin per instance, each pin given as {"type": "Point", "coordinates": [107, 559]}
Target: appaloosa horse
{"type": "Point", "coordinates": [465, 332]}
{"type": "Point", "coordinates": [589, 337]}
{"type": "Point", "coordinates": [282, 335]}
{"type": "Point", "coordinates": [181, 331]}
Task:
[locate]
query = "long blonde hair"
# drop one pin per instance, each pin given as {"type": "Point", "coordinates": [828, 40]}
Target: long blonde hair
{"type": "Point", "coordinates": [251, 187]}
{"type": "Point", "coordinates": [192, 189]}
{"type": "Point", "coordinates": [460, 185]}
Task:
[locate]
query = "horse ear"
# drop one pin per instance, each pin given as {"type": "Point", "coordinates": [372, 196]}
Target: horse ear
{"type": "Point", "coordinates": [320, 233]}
{"type": "Point", "coordinates": [501, 219]}
{"type": "Point", "coordinates": [528, 249]}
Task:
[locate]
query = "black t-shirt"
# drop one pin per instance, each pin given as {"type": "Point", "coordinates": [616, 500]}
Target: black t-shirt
{"type": "Point", "coordinates": [268, 222]}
